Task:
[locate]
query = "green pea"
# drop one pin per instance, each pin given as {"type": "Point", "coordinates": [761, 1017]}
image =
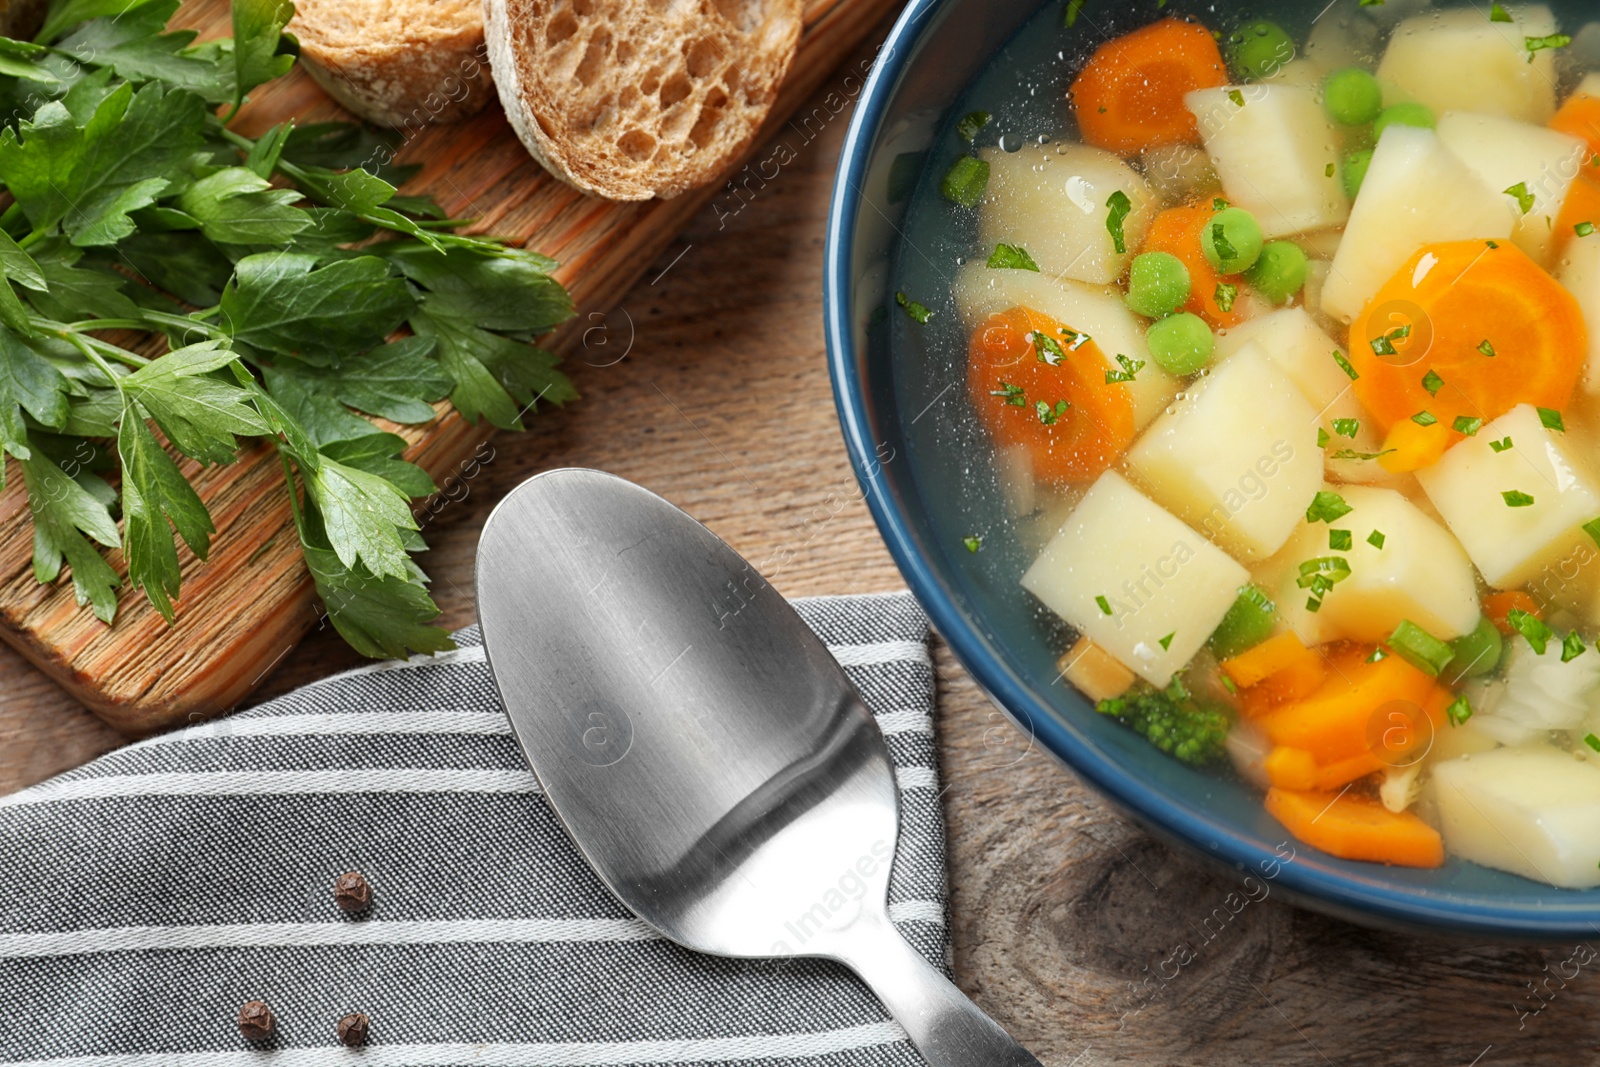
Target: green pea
{"type": "Point", "coordinates": [1352, 97]}
{"type": "Point", "coordinates": [1419, 115]}
{"type": "Point", "coordinates": [1476, 654]}
{"type": "Point", "coordinates": [1353, 170]}
{"type": "Point", "coordinates": [1248, 623]}
{"type": "Point", "coordinates": [1181, 343]}
{"type": "Point", "coordinates": [1232, 240]}
{"type": "Point", "coordinates": [1260, 49]}
{"type": "Point", "coordinates": [1158, 284]}
{"type": "Point", "coordinates": [1280, 272]}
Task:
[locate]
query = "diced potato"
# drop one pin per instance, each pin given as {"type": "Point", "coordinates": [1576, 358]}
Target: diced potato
{"type": "Point", "coordinates": [1097, 311]}
{"type": "Point", "coordinates": [1237, 457]}
{"type": "Point", "coordinates": [1054, 204]}
{"type": "Point", "coordinates": [1302, 350]}
{"type": "Point", "coordinates": [1580, 273]}
{"type": "Point", "coordinates": [1178, 172]}
{"type": "Point", "coordinates": [1162, 581]}
{"type": "Point", "coordinates": [1468, 739]}
{"type": "Point", "coordinates": [1460, 60]}
{"type": "Point", "coordinates": [1416, 192]}
{"type": "Point", "coordinates": [1505, 153]}
{"type": "Point", "coordinates": [1273, 154]}
{"type": "Point", "coordinates": [1302, 72]}
{"type": "Point", "coordinates": [1095, 672]}
{"type": "Point", "coordinates": [1530, 811]}
{"type": "Point", "coordinates": [1343, 37]}
{"type": "Point", "coordinates": [1511, 545]}
{"type": "Point", "coordinates": [1420, 573]}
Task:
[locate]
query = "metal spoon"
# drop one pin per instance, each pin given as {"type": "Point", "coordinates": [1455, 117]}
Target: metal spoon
{"type": "Point", "coordinates": [704, 750]}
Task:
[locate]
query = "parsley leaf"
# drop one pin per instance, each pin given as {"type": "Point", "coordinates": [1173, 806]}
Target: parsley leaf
{"type": "Point", "coordinates": [1502, 445]}
{"type": "Point", "coordinates": [1327, 506]}
{"type": "Point", "coordinates": [154, 493]}
{"type": "Point", "coordinates": [1011, 257]}
{"type": "Point", "coordinates": [971, 123]}
{"type": "Point", "coordinates": [199, 412]}
{"type": "Point", "coordinates": [1515, 498]}
{"type": "Point", "coordinates": [965, 181]}
{"type": "Point", "coordinates": [1467, 424]}
{"type": "Point", "coordinates": [282, 302]}
{"type": "Point", "coordinates": [1550, 419]}
{"type": "Point", "coordinates": [28, 383]}
{"type": "Point", "coordinates": [259, 54]}
{"type": "Point", "coordinates": [67, 511]}
{"type": "Point", "coordinates": [1119, 208]}
{"type": "Point", "coordinates": [918, 312]}
{"type": "Point", "coordinates": [1519, 192]}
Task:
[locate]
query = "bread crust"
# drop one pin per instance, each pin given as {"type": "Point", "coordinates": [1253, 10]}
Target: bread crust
{"type": "Point", "coordinates": [633, 99]}
{"type": "Point", "coordinates": [404, 64]}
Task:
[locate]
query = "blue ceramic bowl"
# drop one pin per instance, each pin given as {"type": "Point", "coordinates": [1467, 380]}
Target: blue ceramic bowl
{"type": "Point", "coordinates": [927, 477]}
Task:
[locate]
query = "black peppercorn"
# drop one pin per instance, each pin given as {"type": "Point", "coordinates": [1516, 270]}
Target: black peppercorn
{"type": "Point", "coordinates": [255, 1021]}
{"type": "Point", "coordinates": [352, 893]}
{"type": "Point", "coordinates": [353, 1029]}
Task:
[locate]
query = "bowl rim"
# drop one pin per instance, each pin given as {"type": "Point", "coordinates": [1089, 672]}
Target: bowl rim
{"type": "Point", "coordinates": [1391, 905]}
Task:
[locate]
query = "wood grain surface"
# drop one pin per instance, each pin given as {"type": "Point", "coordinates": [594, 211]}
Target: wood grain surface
{"type": "Point", "coordinates": [1062, 913]}
{"type": "Point", "coordinates": [246, 607]}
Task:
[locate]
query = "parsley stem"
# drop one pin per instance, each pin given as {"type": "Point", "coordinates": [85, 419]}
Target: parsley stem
{"type": "Point", "coordinates": [294, 495]}
{"type": "Point", "coordinates": [82, 344]}
{"type": "Point", "coordinates": [70, 334]}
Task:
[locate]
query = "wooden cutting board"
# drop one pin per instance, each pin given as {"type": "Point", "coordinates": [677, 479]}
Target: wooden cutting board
{"type": "Point", "coordinates": [246, 607]}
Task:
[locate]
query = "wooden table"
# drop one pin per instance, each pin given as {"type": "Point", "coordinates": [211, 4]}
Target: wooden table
{"type": "Point", "coordinates": [708, 384]}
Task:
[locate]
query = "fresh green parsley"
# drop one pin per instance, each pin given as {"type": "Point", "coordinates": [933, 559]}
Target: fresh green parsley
{"type": "Point", "coordinates": [1592, 741]}
{"type": "Point", "coordinates": [1519, 192]}
{"type": "Point", "coordinates": [1459, 711]}
{"type": "Point", "coordinates": [1378, 655]}
{"type": "Point", "coordinates": [1047, 414]}
{"type": "Point", "coordinates": [971, 123]}
{"type": "Point", "coordinates": [1515, 498]}
{"type": "Point", "coordinates": [1584, 229]}
{"type": "Point", "coordinates": [1105, 605]}
{"type": "Point", "coordinates": [1468, 425]}
{"type": "Point", "coordinates": [1219, 204]}
{"type": "Point", "coordinates": [1074, 9]}
{"type": "Point", "coordinates": [1346, 427]}
{"type": "Point", "coordinates": [1322, 437]}
{"type": "Point", "coordinates": [1119, 208]}
{"type": "Point", "coordinates": [1531, 627]}
{"type": "Point", "coordinates": [1238, 101]}
{"type": "Point", "coordinates": [1424, 418]}
{"type": "Point", "coordinates": [1329, 170]}
{"type": "Point", "coordinates": [918, 312]}
{"type": "Point", "coordinates": [1539, 44]}
{"type": "Point", "coordinates": [1432, 383]}
{"type": "Point", "coordinates": [1499, 14]}
{"type": "Point", "coordinates": [1130, 367]}
{"type": "Point", "coordinates": [1011, 257]}
{"type": "Point", "coordinates": [1220, 242]}
{"type": "Point", "coordinates": [1486, 348]}
{"type": "Point", "coordinates": [1572, 646]}
{"type": "Point", "coordinates": [1226, 292]}
{"type": "Point", "coordinates": [1492, 245]}
{"type": "Point", "coordinates": [972, 542]}
{"type": "Point", "coordinates": [1345, 365]}
{"type": "Point", "coordinates": [1502, 445]}
{"type": "Point", "coordinates": [1376, 539]}
{"type": "Point", "coordinates": [1166, 642]}
{"type": "Point", "coordinates": [964, 183]}
{"type": "Point", "coordinates": [1350, 453]}
{"type": "Point", "coordinates": [1384, 345]}
{"type": "Point", "coordinates": [1011, 394]}
{"type": "Point", "coordinates": [1047, 348]}
{"type": "Point", "coordinates": [1340, 540]}
{"type": "Point", "coordinates": [1592, 528]}
{"type": "Point", "coordinates": [1327, 506]}
{"type": "Point", "coordinates": [1551, 420]}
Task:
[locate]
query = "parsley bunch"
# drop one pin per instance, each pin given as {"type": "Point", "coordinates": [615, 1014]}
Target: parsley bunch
{"type": "Point", "coordinates": [166, 277]}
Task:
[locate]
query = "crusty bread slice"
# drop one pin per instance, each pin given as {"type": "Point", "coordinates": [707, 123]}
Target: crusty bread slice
{"type": "Point", "coordinates": [630, 99]}
{"type": "Point", "coordinates": [398, 63]}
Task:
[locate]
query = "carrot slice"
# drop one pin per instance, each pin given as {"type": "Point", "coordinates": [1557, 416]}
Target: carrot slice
{"type": "Point", "coordinates": [1042, 386]}
{"type": "Point", "coordinates": [1581, 205]}
{"type": "Point", "coordinates": [1295, 768]}
{"type": "Point", "coordinates": [1278, 671]}
{"type": "Point", "coordinates": [1411, 446]}
{"type": "Point", "coordinates": [1129, 96]}
{"type": "Point", "coordinates": [1177, 231]}
{"type": "Point", "coordinates": [1445, 312]}
{"type": "Point", "coordinates": [1497, 607]}
{"type": "Point", "coordinates": [1362, 708]}
{"type": "Point", "coordinates": [1355, 828]}
{"type": "Point", "coordinates": [1580, 116]}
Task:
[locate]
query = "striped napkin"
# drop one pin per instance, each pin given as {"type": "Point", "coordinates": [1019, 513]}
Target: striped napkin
{"type": "Point", "coordinates": [148, 895]}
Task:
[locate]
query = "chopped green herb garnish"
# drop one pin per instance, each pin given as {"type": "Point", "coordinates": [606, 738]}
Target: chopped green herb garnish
{"type": "Point", "coordinates": [1329, 170]}
{"type": "Point", "coordinates": [1238, 101]}
{"type": "Point", "coordinates": [1432, 383]}
{"type": "Point", "coordinates": [1011, 257]}
{"type": "Point", "coordinates": [1074, 8]}
{"type": "Point", "coordinates": [1166, 642]}
{"type": "Point", "coordinates": [1340, 540]}
{"type": "Point", "coordinates": [1120, 206]}
{"type": "Point", "coordinates": [1592, 741]}
{"type": "Point", "coordinates": [1551, 420]}
{"type": "Point", "coordinates": [1075, 340]}
{"type": "Point", "coordinates": [965, 181]}
{"type": "Point", "coordinates": [1324, 570]}
{"type": "Point", "coordinates": [1572, 646]}
{"type": "Point", "coordinates": [1468, 424]}
{"type": "Point", "coordinates": [1531, 627]}
{"type": "Point", "coordinates": [1219, 204]}
{"type": "Point", "coordinates": [1047, 348]}
{"type": "Point", "coordinates": [1371, 3]}
{"type": "Point", "coordinates": [1011, 394]}
{"type": "Point", "coordinates": [1539, 44]}
{"type": "Point", "coordinates": [1459, 711]}
{"type": "Point", "coordinates": [1592, 528]}
{"type": "Point", "coordinates": [1346, 427]}
{"type": "Point", "coordinates": [1384, 346]}
{"type": "Point", "coordinates": [1313, 605]}
{"type": "Point", "coordinates": [1584, 229]}
{"type": "Point", "coordinates": [1130, 367]}
{"type": "Point", "coordinates": [1499, 14]}
{"type": "Point", "coordinates": [1322, 437]}
{"type": "Point", "coordinates": [1345, 365]}
{"type": "Point", "coordinates": [1515, 498]}
{"type": "Point", "coordinates": [1378, 655]}
{"type": "Point", "coordinates": [1520, 192]}
{"type": "Point", "coordinates": [1492, 244]}
{"type": "Point", "coordinates": [1047, 414]}
{"type": "Point", "coordinates": [1486, 348]}
{"type": "Point", "coordinates": [1424, 418]}
{"type": "Point", "coordinates": [1327, 506]}
{"type": "Point", "coordinates": [1105, 605]}
{"type": "Point", "coordinates": [1376, 539]}
{"type": "Point", "coordinates": [973, 543]}
{"type": "Point", "coordinates": [1226, 293]}
{"type": "Point", "coordinates": [1502, 445]}
{"type": "Point", "coordinates": [1219, 241]}
{"type": "Point", "coordinates": [912, 308]}
{"type": "Point", "coordinates": [1350, 453]}
{"type": "Point", "coordinates": [971, 123]}
{"type": "Point", "coordinates": [1419, 648]}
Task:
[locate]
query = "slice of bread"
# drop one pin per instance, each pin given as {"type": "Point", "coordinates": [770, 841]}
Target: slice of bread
{"type": "Point", "coordinates": [398, 63]}
{"type": "Point", "coordinates": [630, 99]}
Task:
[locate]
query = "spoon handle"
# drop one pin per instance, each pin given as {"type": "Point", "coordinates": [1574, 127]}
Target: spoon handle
{"type": "Point", "coordinates": [945, 1026]}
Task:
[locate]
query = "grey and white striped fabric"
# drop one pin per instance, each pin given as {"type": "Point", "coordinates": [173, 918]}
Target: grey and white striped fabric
{"type": "Point", "coordinates": [147, 895]}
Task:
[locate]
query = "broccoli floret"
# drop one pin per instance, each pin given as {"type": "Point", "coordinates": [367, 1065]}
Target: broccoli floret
{"type": "Point", "coordinates": [1173, 721]}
